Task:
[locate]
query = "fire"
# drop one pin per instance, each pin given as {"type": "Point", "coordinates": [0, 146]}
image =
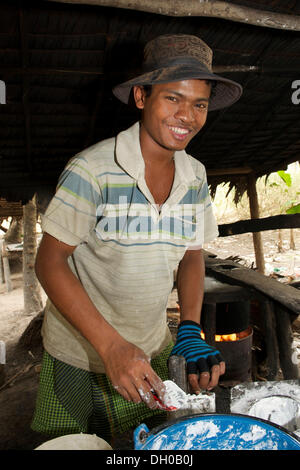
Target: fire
{"type": "Point", "coordinates": [218, 338]}
{"type": "Point", "coordinates": [231, 337]}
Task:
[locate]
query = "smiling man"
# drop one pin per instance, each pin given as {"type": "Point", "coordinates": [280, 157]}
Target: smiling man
{"type": "Point", "coordinates": [128, 211]}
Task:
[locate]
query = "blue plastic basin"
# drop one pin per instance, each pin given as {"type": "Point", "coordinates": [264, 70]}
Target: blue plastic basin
{"type": "Point", "coordinates": [216, 432]}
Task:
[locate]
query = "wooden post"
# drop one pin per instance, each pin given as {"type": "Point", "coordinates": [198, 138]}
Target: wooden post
{"type": "Point", "coordinates": [254, 211]}
{"type": "Point", "coordinates": [6, 269]}
{"type": "Point", "coordinates": [7, 274]}
{"type": "Point", "coordinates": [31, 290]}
{"type": "Point", "coordinates": [1, 265]}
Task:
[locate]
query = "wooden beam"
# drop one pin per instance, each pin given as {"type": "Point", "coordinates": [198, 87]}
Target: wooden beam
{"type": "Point", "coordinates": [208, 8]}
{"type": "Point", "coordinates": [254, 211]}
{"type": "Point", "coordinates": [243, 170]}
{"type": "Point", "coordinates": [9, 208]}
{"type": "Point", "coordinates": [259, 225]}
{"type": "Point", "coordinates": [99, 71]}
{"type": "Point", "coordinates": [10, 212]}
{"type": "Point", "coordinates": [236, 68]}
{"type": "Point", "coordinates": [50, 71]}
{"type": "Point", "coordinates": [236, 274]}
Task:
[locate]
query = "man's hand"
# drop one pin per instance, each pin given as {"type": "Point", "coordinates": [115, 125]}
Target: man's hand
{"type": "Point", "coordinates": [201, 358]}
{"type": "Point", "coordinates": [131, 374]}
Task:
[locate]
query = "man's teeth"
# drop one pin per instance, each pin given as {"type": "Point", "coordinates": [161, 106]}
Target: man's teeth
{"type": "Point", "coordinates": [179, 130]}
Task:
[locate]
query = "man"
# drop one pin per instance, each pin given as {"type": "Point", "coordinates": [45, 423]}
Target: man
{"type": "Point", "coordinates": [127, 212]}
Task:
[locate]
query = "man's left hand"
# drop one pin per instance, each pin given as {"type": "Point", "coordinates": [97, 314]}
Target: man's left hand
{"type": "Point", "coordinates": [204, 363]}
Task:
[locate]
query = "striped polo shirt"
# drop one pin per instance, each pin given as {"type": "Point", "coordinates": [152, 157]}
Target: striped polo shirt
{"type": "Point", "coordinates": [127, 247]}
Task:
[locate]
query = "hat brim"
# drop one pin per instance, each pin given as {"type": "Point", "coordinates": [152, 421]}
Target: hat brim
{"type": "Point", "coordinates": [226, 92]}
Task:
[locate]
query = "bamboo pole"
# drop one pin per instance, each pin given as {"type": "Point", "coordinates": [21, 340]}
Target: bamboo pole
{"type": "Point", "coordinates": [254, 211]}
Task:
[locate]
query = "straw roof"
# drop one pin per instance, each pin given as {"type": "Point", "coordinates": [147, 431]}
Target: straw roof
{"type": "Point", "coordinates": [59, 61]}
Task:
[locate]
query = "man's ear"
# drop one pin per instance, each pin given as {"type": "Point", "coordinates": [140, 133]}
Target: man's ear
{"type": "Point", "coordinates": [139, 96]}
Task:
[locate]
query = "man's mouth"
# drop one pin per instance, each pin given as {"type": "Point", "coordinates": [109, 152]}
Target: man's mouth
{"type": "Point", "coordinates": [179, 132]}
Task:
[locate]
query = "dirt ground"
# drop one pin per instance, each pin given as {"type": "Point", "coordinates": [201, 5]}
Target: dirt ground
{"type": "Point", "coordinates": [19, 385]}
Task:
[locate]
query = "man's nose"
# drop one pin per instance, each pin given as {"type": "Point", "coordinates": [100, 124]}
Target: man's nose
{"type": "Point", "coordinates": [185, 113]}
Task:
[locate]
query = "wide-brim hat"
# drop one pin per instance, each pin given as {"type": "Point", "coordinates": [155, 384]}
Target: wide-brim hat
{"type": "Point", "coordinates": [176, 57]}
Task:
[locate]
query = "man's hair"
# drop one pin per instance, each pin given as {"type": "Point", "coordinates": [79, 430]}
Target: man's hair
{"type": "Point", "coordinates": [148, 88]}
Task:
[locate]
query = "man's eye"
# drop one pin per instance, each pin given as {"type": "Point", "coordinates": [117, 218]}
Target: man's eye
{"type": "Point", "coordinates": [171, 98]}
{"type": "Point", "coordinates": [201, 105]}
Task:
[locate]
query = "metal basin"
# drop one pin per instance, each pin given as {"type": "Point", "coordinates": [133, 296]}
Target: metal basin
{"type": "Point", "coordinates": [216, 432]}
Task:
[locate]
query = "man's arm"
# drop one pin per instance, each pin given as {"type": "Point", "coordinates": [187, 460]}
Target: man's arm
{"type": "Point", "coordinates": [126, 365]}
{"type": "Point", "coordinates": [190, 287]}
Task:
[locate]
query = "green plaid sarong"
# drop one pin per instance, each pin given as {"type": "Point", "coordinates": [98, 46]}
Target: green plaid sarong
{"type": "Point", "coordinates": [71, 400]}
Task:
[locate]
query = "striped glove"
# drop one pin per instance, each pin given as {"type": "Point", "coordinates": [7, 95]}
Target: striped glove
{"type": "Point", "coordinates": [199, 356]}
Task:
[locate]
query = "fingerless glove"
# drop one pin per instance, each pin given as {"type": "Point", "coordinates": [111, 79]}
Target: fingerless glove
{"type": "Point", "coordinates": [199, 355]}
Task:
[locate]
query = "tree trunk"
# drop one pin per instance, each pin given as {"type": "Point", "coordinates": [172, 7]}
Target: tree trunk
{"type": "Point", "coordinates": [292, 240]}
{"type": "Point", "coordinates": [279, 244]}
{"type": "Point", "coordinates": [32, 292]}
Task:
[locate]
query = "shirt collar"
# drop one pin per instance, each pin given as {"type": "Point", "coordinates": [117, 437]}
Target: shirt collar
{"type": "Point", "coordinates": [129, 156]}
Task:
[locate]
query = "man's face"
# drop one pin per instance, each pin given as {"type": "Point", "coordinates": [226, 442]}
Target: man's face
{"type": "Point", "coordinates": [174, 112]}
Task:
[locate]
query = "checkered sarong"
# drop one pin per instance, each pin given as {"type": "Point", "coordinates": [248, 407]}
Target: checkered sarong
{"type": "Point", "coordinates": [71, 400]}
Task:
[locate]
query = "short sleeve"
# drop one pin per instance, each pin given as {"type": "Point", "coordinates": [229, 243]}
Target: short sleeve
{"type": "Point", "coordinates": [72, 212]}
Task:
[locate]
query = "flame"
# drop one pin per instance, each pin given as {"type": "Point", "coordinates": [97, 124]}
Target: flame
{"type": "Point", "coordinates": [231, 337]}
{"type": "Point", "coordinates": [219, 338]}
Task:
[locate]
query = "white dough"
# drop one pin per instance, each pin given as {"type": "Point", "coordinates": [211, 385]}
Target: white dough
{"type": "Point", "coordinates": [176, 397]}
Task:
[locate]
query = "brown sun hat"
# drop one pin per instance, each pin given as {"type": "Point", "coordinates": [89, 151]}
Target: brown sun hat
{"type": "Point", "coordinates": [176, 57]}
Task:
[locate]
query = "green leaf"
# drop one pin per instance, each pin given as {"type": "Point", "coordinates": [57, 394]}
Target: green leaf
{"type": "Point", "coordinates": [286, 177]}
{"type": "Point", "coordinates": [294, 209]}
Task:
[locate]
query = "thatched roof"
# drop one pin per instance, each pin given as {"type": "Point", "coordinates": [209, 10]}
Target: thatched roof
{"type": "Point", "coordinates": [59, 61]}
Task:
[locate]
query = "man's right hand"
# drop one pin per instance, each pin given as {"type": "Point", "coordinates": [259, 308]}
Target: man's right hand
{"type": "Point", "coordinates": [131, 374]}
